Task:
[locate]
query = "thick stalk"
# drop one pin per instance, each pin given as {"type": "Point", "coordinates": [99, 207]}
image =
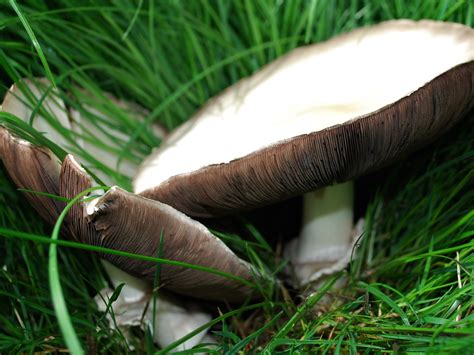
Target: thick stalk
{"type": "Point", "coordinates": [325, 242]}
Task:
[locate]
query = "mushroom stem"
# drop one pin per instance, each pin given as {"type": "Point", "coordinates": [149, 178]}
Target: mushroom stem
{"type": "Point", "coordinates": [171, 320]}
{"type": "Point", "coordinates": [325, 242]}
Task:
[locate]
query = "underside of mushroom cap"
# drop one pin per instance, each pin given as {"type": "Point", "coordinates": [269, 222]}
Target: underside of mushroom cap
{"type": "Point", "coordinates": [32, 168]}
{"type": "Point", "coordinates": [131, 223]}
{"type": "Point", "coordinates": [322, 114]}
{"type": "Point", "coordinates": [138, 225]}
{"type": "Point", "coordinates": [127, 222]}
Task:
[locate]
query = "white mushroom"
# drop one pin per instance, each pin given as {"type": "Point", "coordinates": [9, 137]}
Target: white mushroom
{"type": "Point", "coordinates": [174, 318]}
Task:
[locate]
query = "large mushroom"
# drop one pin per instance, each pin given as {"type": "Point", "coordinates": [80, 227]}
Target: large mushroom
{"type": "Point", "coordinates": [320, 116]}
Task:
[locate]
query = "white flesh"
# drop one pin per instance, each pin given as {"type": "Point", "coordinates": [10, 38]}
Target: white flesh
{"type": "Point", "coordinates": [84, 127]}
{"type": "Point", "coordinates": [310, 89]}
{"type": "Point", "coordinates": [21, 105]}
{"type": "Point", "coordinates": [325, 243]}
{"type": "Point", "coordinates": [114, 139]}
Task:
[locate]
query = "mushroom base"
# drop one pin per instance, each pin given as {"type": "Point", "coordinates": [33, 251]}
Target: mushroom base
{"type": "Point", "coordinates": [173, 318]}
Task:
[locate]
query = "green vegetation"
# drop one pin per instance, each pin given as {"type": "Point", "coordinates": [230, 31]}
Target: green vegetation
{"type": "Point", "coordinates": [411, 283]}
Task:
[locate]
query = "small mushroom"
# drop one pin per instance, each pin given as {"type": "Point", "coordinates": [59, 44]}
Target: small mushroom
{"type": "Point", "coordinates": [321, 115]}
{"type": "Point", "coordinates": [38, 169]}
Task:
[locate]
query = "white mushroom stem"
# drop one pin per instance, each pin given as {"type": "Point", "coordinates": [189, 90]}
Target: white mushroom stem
{"type": "Point", "coordinates": [325, 243]}
{"type": "Point", "coordinates": [171, 319]}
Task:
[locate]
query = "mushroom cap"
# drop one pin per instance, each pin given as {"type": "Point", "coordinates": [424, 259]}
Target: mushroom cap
{"type": "Point", "coordinates": [138, 225]}
{"type": "Point", "coordinates": [320, 115]}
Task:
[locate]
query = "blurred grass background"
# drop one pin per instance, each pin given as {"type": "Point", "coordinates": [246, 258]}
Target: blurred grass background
{"type": "Point", "coordinates": [411, 284]}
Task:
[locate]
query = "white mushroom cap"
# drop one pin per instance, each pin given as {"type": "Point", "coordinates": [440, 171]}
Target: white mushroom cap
{"type": "Point", "coordinates": [309, 90]}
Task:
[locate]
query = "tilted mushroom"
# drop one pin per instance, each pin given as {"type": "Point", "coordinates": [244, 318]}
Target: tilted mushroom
{"type": "Point", "coordinates": [42, 171]}
{"type": "Point", "coordinates": [321, 115]}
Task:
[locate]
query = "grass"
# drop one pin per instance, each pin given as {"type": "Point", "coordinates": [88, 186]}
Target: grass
{"type": "Point", "coordinates": [411, 283]}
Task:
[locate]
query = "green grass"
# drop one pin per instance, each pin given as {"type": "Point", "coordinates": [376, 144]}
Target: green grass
{"type": "Point", "coordinates": [411, 284]}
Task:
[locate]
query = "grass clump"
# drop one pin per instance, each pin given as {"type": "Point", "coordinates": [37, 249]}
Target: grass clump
{"type": "Point", "coordinates": [410, 285]}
